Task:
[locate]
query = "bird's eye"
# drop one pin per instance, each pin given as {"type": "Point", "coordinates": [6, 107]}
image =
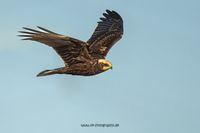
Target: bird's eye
{"type": "Point", "coordinates": [106, 65]}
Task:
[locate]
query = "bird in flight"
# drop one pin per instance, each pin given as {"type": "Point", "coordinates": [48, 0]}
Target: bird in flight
{"type": "Point", "coordinates": [80, 57]}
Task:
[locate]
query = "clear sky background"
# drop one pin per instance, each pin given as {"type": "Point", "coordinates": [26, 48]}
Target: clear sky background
{"type": "Point", "coordinates": [154, 86]}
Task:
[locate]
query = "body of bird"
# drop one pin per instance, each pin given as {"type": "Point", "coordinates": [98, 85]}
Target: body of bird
{"type": "Point", "coordinates": [81, 58]}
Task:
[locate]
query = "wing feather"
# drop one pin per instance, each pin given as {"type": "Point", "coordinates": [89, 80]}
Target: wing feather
{"type": "Point", "coordinates": [68, 48]}
{"type": "Point", "coordinates": [108, 31]}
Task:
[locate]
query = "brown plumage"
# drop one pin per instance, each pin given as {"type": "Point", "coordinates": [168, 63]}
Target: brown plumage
{"type": "Point", "coordinates": [81, 58]}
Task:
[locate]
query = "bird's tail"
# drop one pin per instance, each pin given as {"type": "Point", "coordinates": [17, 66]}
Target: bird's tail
{"type": "Point", "coordinates": [46, 73]}
{"type": "Point", "coordinates": [50, 72]}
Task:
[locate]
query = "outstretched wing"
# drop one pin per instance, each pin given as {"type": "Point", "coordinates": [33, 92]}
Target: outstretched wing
{"type": "Point", "coordinates": [68, 48]}
{"type": "Point", "coordinates": [108, 31]}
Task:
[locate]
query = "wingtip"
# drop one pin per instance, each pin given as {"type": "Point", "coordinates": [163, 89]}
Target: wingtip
{"type": "Point", "coordinates": [25, 28]}
{"type": "Point", "coordinates": [39, 27]}
{"type": "Point", "coordinates": [107, 10]}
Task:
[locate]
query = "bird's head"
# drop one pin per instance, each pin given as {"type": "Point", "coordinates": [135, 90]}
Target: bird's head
{"type": "Point", "coordinates": [104, 64]}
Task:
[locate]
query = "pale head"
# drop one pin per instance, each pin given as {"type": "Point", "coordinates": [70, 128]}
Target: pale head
{"type": "Point", "coordinates": [105, 64]}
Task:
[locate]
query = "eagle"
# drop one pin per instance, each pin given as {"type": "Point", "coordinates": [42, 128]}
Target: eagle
{"type": "Point", "coordinates": [80, 57]}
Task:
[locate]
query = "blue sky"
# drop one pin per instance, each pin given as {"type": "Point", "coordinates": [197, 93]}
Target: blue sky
{"type": "Point", "coordinates": [154, 86]}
